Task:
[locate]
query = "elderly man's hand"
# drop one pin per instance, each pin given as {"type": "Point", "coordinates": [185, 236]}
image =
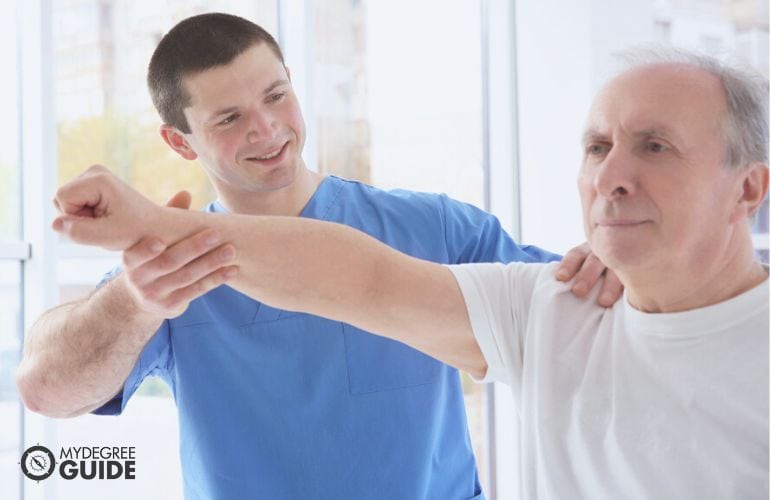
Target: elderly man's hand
{"type": "Point", "coordinates": [164, 280]}
{"type": "Point", "coordinates": [587, 270]}
{"type": "Point", "coordinates": [99, 209]}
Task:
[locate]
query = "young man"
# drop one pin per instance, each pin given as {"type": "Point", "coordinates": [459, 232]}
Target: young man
{"type": "Point", "coordinates": [664, 395]}
{"type": "Point", "coordinates": [272, 403]}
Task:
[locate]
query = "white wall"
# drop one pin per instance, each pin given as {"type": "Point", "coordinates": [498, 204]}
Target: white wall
{"type": "Point", "coordinates": [564, 52]}
{"type": "Point", "coordinates": [554, 81]}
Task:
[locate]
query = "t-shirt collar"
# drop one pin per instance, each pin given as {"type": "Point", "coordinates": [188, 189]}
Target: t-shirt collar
{"type": "Point", "coordinates": [701, 321]}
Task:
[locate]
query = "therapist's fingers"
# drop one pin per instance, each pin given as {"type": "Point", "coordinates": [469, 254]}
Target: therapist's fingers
{"type": "Point", "coordinates": [612, 289]}
{"type": "Point", "coordinates": [588, 276]}
{"type": "Point", "coordinates": [161, 282]}
{"type": "Point", "coordinates": [169, 259]}
{"type": "Point", "coordinates": [572, 261]}
{"type": "Point", "coordinates": [143, 251]}
{"type": "Point", "coordinates": [178, 300]}
{"type": "Point", "coordinates": [193, 272]}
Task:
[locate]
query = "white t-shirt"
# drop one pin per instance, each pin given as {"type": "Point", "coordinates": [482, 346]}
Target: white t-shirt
{"type": "Point", "coordinates": [619, 404]}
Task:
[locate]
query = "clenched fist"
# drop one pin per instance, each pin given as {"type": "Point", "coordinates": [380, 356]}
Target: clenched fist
{"type": "Point", "coordinates": [97, 208]}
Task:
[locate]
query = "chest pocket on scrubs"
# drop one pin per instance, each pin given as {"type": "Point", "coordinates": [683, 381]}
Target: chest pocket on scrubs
{"type": "Point", "coordinates": [380, 364]}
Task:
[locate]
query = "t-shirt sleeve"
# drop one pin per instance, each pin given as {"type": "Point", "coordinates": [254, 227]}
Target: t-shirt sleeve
{"type": "Point", "coordinates": [497, 298]}
{"type": "Point", "coordinates": [152, 361]}
{"type": "Point", "coordinates": [473, 235]}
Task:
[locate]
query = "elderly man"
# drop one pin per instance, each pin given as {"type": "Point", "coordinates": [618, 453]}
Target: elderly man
{"type": "Point", "coordinates": [664, 395]}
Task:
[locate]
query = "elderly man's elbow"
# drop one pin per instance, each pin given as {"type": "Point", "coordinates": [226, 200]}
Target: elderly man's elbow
{"type": "Point", "coordinates": [478, 370]}
{"type": "Point", "coordinates": [470, 360]}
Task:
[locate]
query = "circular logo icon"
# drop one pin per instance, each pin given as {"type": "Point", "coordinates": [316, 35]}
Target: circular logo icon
{"type": "Point", "coordinates": [37, 463]}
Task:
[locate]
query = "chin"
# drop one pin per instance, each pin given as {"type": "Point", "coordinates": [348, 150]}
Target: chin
{"type": "Point", "coordinates": [622, 257]}
{"type": "Point", "coordinates": [278, 178]}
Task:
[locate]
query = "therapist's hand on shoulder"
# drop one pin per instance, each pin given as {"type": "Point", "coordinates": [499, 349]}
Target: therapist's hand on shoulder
{"type": "Point", "coordinates": [165, 279]}
{"type": "Point", "coordinates": [587, 271]}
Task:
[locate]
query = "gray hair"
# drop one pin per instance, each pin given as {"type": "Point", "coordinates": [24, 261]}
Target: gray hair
{"type": "Point", "coordinates": [745, 125]}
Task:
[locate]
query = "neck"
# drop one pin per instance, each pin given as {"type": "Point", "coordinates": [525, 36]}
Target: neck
{"type": "Point", "coordinates": [285, 201]}
{"type": "Point", "coordinates": [694, 286]}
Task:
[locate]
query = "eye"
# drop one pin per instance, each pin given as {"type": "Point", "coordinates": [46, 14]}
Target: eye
{"type": "Point", "coordinates": [276, 97]}
{"type": "Point", "coordinates": [596, 149]}
{"type": "Point", "coordinates": [656, 147]}
{"type": "Point", "coordinates": [229, 119]}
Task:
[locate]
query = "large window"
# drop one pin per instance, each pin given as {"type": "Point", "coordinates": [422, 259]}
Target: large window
{"type": "Point", "coordinates": [395, 107]}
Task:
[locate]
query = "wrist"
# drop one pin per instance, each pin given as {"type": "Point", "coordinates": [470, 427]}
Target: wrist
{"type": "Point", "coordinates": [120, 304]}
{"type": "Point", "coordinates": [171, 225]}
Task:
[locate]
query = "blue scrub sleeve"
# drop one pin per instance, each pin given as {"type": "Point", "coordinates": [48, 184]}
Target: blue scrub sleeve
{"type": "Point", "coordinates": [473, 235]}
{"type": "Point", "coordinates": [152, 360]}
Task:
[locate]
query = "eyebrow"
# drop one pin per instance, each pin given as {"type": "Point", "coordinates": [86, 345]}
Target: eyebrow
{"type": "Point", "coordinates": [592, 135]}
{"type": "Point", "coordinates": [232, 109]}
{"type": "Point", "coordinates": [274, 85]}
{"type": "Point", "coordinates": [659, 131]}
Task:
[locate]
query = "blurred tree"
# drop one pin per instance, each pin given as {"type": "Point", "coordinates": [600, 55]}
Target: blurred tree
{"type": "Point", "coordinates": [134, 151]}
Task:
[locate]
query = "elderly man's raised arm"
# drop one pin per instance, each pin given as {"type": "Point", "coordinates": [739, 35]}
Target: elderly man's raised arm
{"type": "Point", "coordinates": [337, 272]}
{"type": "Point", "coordinates": [291, 263]}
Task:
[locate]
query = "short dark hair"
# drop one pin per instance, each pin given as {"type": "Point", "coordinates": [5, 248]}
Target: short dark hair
{"type": "Point", "coordinates": [192, 46]}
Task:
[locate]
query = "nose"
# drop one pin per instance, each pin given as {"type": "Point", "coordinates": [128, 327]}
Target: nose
{"type": "Point", "coordinates": [616, 175]}
{"type": "Point", "coordinates": [261, 127]}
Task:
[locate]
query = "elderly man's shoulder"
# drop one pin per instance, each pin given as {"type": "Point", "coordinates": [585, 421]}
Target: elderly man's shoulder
{"type": "Point", "coordinates": [548, 292]}
{"type": "Point", "coordinates": [528, 285]}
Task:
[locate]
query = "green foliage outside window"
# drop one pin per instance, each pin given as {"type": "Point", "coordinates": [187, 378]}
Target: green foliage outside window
{"type": "Point", "coordinates": [134, 151]}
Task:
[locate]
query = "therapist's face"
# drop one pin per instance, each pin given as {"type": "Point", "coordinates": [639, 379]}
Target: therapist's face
{"type": "Point", "coordinates": [653, 187]}
{"type": "Point", "coordinates": [246, 125]}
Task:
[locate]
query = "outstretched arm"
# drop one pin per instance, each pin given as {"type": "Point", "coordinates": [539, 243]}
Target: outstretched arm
{"type": "Point", "coordinates": [297, 264]}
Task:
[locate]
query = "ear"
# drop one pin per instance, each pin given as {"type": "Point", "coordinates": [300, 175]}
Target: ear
{"type": "Point", "coordinates": [177, 141]}
{"type": "Point", "coordinates": [753, 191]}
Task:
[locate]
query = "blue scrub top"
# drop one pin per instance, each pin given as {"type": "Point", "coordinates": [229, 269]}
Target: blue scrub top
{"type": "Point", "coordinates": [284, 405]}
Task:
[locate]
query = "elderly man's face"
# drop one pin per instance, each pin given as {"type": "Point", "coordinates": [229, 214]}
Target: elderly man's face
{"type": "Point", "coordinates": [654, 190]}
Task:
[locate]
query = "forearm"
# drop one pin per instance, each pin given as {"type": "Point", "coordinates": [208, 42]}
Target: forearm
{"type": "Point", "coordinates": [289, 262]}
{"type": "Point", "coordinates": [338, 272]}
{"type": "Point", "coordinates": [78, 355]}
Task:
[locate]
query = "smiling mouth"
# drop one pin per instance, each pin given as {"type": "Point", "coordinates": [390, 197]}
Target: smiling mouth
{"type": "Point", "coordinates": [269, 156]}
